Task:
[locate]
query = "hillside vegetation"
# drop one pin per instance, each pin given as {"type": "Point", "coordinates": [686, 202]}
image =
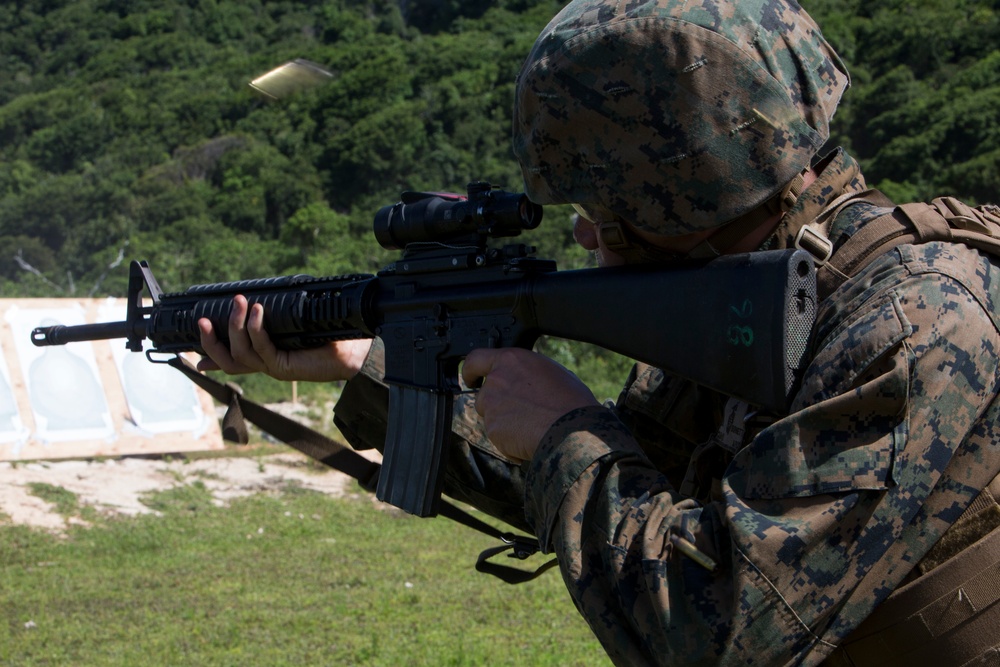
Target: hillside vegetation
{"type": "Point", "coordinates": [128, 130]}
{"type": "Point", "coordinates": [130, 125]}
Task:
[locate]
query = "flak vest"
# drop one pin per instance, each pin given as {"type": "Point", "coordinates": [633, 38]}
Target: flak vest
{"type": "Point", "coordinates": [947, 612]}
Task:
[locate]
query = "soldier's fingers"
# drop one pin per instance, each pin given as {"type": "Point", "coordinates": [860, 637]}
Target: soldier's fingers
{"type": "Point", "coordinates": [218, 357]}
{"type": "Point", "coordinates": [206, 364]}
{"type": "Point", "coordinates": [240, 345]}
{"type": "Point", "coordinates": [261, 342]}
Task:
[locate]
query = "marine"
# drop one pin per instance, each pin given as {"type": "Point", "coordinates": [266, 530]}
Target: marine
{"type": "Point", "coordinates": [859, 528]}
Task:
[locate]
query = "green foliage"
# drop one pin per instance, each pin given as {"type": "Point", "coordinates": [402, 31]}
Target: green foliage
{"type": "Point", "coordinates": [128, 122]}
{"type": "Point", "coordinates": [923, 113]}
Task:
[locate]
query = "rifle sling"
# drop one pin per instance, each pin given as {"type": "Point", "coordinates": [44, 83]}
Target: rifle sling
{"type": "Point", "coordinates": [335, 455]}
{"type": "Point", "coordinates": [309, 442]}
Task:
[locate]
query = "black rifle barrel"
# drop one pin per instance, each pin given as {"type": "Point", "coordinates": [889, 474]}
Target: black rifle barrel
{"type": "Point", "coordinates": [61, 334]}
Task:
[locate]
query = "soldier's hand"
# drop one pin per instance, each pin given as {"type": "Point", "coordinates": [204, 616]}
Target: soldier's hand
{"type": "Point", "coordinates": [251, 350]}
{"type": "Point", "coordinates": [522, 393]}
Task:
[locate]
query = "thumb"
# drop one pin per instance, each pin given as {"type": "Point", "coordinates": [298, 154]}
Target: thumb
{"type": "Point", "coordinates": [478, 364]}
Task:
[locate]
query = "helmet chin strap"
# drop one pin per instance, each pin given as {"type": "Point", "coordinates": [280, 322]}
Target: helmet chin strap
{"type": "Point", "coordinates": [735, 231]}
{"type": "Point", "coordinates": [619, 239]}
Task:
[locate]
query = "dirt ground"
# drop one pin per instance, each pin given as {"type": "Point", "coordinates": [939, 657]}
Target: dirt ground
{"type": "Point", "coordinates": [116, 485]}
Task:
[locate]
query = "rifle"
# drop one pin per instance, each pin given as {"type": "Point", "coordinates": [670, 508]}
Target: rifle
{"type": "Point", "coordinates": [738, 324]}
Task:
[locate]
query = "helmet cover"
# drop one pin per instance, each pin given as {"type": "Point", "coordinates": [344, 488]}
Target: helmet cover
{"type": "Point", "coordinates": [677, 115]}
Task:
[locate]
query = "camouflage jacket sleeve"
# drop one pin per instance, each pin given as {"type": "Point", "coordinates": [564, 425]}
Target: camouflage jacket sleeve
{"type": "Point", "coordinates": [823, 513]}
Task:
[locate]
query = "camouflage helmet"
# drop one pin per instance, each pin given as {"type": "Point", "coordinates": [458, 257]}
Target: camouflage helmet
{"type": "Point", "coordinates": [677, 115]}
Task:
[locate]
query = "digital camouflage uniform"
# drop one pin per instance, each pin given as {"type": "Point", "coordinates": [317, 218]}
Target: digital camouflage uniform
{"type": "Point", "coordinates": [890, 437]}
{"type": "Point", "coordinates": [821, 513]}
{"type": "Point", "coordinates": [826, 511]}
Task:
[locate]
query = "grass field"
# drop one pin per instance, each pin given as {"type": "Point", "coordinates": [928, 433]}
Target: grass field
{"type": "Point", "coordinates": [296, 578]}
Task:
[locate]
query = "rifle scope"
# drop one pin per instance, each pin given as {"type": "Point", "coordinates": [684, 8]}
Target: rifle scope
{"type": "Point", "coordinates": [428, 217]}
